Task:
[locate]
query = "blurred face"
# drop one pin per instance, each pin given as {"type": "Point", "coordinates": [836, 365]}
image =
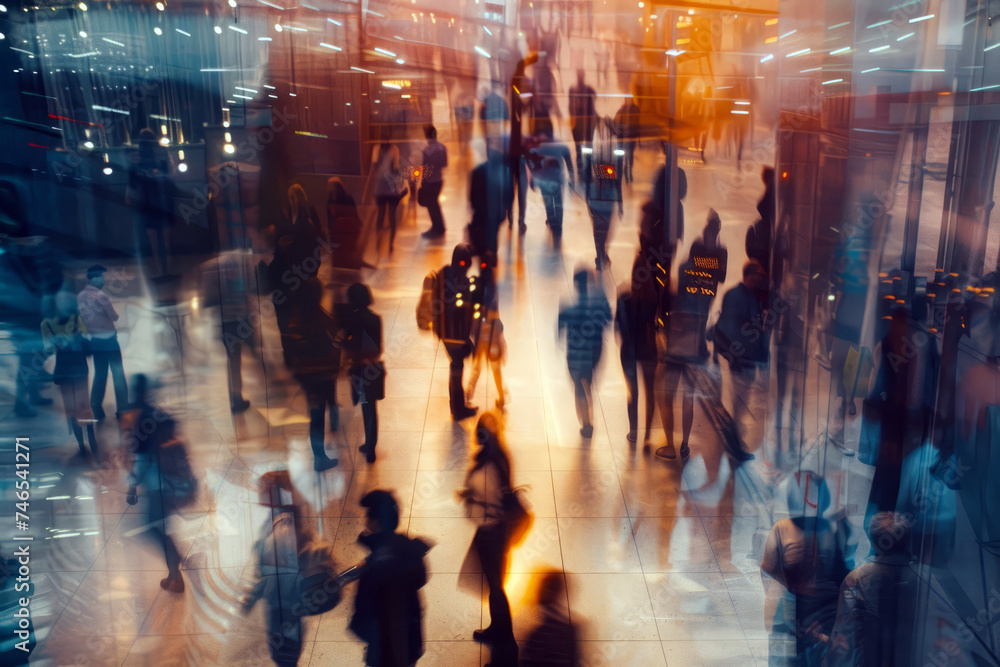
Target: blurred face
{"type": "Point", "coordinates": [97, 281]}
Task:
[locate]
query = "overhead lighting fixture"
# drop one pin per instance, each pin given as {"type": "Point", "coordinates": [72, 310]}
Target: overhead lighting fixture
{"type": "Point", "coordinates": [98, 107]}
{"type": "Point", "coordinates": [330, 46]}
{"type": "Point", "coordinates": [277, 26]}
{"type": "Point", "coordinates": [740, 112]}
{"type": "Point", "coordinates": [839, 25]}
{"type": "Point", "coordinates": [873, 69]}
{"type": "Point", "coordinates": [841, 50]}
{"type": "Point", "coordinates": [481, 51]}
{"type": "Point", "coordinates": [878, 48]}
{"type": "Point", "coordinates": [800, 52]}
{"type": "Point", "coordinates": [263, 39]}
{"type": "Point", "coordinates": [82, 6]}
{"type": "Point", "coordinates": [229, 148]}
{"type": "Point", "coordinates": [921, 18]}
{"type": "Point", "coordinates": [361, 69]}
{"type": "Point", "coordinates": [239, 30]}
{"type": "Point", "coordinates": [182, 167]}
{"type": "Point", "coordinates": [269, 87]}
{"type": "Point", "coordinates": [246, 90]}
{"type": "Point", "coordinates": [111, 41]}
{"type": "Point", "coordinates": [89, 145]}
{"type": "Point", "coordinates": [384, 52]}
{"type": "Point", "coordinates": [83, 34]}
{"type": "Point", "coordinates": [164, 141]}
{"type": "Point", "coordinates": [271, 4]}
{"type": "Point", "coordinates": [218, 30]}
{"type": "Point", "coordinates": [400, 61]}
{"type": "Point", "coordinates": [161, 6]}
{"type": "Point", "coordinates": [243, 97]}
{"type": "Point", "coordinates": [334, 22]}
{"type": "Point", "coordinates": [107, 171]}
{"type": "Point", "coordinates": [184, 32]}
{"type": "Point", "coordinates": [488, 31]}
{"type": "Point", "coordinates": [788, 34]}
{"type": "Point", "coordinates": [909, 34]}
{"type": "Point", "coordinates": [990, 48]}
{"type": "Point", "coordinates": [232, 3]}
{"type": "Point", "coordinates": [158, 30]}
{"type": "Point", "coordinates": [675, 52]}
{"type": "Point", "coordinates": [767, 57]}
{"type": "Point", "coordinates": [879, 24]}
{"type": "Point", "coordinates": [826, 83]}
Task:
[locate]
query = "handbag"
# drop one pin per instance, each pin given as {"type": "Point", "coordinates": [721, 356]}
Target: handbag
{"type": "Point", "coordinates": [516, 515]}
{"type": "Point", "coordinates": [858, 365]}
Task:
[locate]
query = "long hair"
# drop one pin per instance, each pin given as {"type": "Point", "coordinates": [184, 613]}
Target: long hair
{"type": "Point", "coordinates": [335, 188]}
{"type": "Point", "coordinates": [492, 448]}
{"type": "Point", "coordinates": [388, 156]}
{"type": "Point", "coordinates": [298, 202]}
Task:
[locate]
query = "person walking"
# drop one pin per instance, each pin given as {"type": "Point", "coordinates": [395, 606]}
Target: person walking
{"type": "Point", "coordinates": [363, 343]}
{"type": "Point", "coordinates": [487, 331]}
{"type": "Point", "coordinates": [387, 611]}
{"type": "Point", "coordinates": [454, 310]}
{"type": "Point", "coordinates": [584, 323]}
{"type": "Point", "coordinates": [162, 469]}
{"type": "Point", "coordinates": [582, 118]}
{"type": "Point", "coordinates": [314, 361]}
{"type": "Point", "coordinates": [635, 316]}
{"type": "Point", "coordinates": [744, 347]}
{"type": "Point", "coordinates": [63, 333]}
{"type": "Point", "coordinates": [603, 189]}
{"type": "Point", "coordinates": [435, 159]}
{"type": "Point", "coordinates": [491, 194]}
{"type": "Point", "coordinates": [546, 158]}
{"type": "Point", "coordinates": [486, 483]}
{"type": "Point", "coordinates": [225, 282]}
{"type": "Point", "coordinates": [99, 317]}
{"type": "Point", "coordinates": [389, 185]}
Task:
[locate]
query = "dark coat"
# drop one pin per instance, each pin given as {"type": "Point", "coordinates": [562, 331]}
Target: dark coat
{"type": "Point", "coordinates": [387, 609]}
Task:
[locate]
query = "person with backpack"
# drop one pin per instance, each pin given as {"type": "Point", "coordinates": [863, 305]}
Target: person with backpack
{"type": "Point", "coordinates": [446, 307]}
{"type": "Point", "coordinates": [387, 608]}
{"type": "Point", "coordinates": [163, 470]}
{"type": "Point", "coordinates": [363, 342]}
{"type": "Point", "coordinates": [314, 360]}
{"type": "Point", "coordinates": [295, 573]}
{"type": "Point", "coordinates": [603, 188]}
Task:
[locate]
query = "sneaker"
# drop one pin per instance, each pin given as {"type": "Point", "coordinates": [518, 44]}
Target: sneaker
{"type": "Point", "coordinates": [685, 452]}
{"type": "Point", "coordinates": [464, 413]}
{"type": "Point", "coordinates": [587, 431]}
{"type": "Point", "coordinates": [522, 228]}
{"type": "Point", "coordinates": [172, 585]}
{"type": "Point", "coordinates": [631, 436]}
{"type": "Point", "coordinates": [324, 464]}
{"type": "Point", "coordinates": [239, 406]}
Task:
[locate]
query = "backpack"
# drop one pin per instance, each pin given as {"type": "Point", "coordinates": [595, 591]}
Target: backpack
{"type": "Point", "coordinates": [319, 590]}
{"type": "Point", "coordinates": [176, 475]}
{"type": "Point", "coordinates": [425, 306]}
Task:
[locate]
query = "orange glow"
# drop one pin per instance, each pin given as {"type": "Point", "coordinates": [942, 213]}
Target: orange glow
{"type": "Point", "coordinates": [784, 174]}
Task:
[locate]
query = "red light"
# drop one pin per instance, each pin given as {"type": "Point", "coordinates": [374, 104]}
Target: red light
{"type": "Point", "coordinates": [483, 265]}
{"type": "Point", "coordinates": [461, 263]}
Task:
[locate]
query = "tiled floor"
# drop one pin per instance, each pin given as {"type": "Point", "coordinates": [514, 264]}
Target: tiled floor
{"type": "Point", "coordinates": [661, 560]}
